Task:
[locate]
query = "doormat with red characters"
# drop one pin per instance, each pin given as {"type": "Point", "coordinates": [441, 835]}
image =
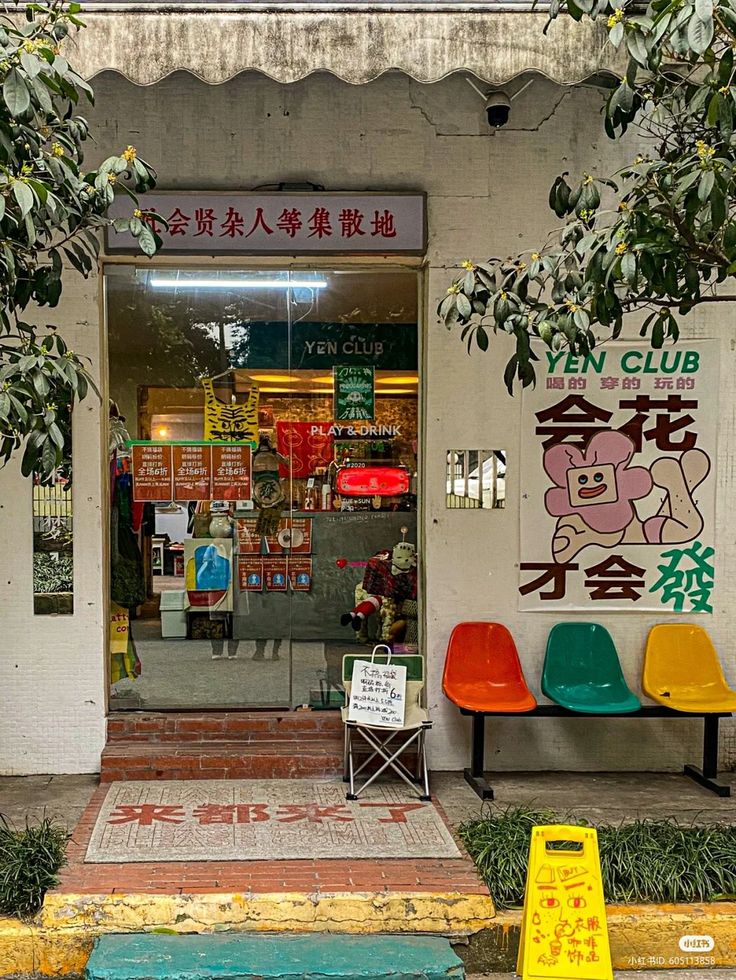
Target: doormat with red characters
{"type": "Point", "coordinates": [263, 819]}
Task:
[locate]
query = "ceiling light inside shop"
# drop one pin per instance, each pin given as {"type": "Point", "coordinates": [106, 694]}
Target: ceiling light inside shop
{"type": "Point", "coordinates": [398, 391]}
{"type": "Point", "coordinates": [167, 283]}
{"type": "Point", "coordinates": [409, 379]}
{"type": "Point", "coordinates": [272, 377]}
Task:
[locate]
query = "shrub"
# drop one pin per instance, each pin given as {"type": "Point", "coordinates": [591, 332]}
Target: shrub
{"type": "Point", "coordinates": [30, 860]}
{"type": "Point", "coordinates": [642, 861]}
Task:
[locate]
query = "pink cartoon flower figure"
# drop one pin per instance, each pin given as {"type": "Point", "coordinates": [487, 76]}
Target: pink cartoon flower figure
{"type": "Point", "coordinates": [595, 489]}
{"type": "Point", "coordinates": [593, 492]}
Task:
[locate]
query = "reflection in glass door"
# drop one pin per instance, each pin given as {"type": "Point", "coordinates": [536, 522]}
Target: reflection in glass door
{"type": "Point", "coordinates": [263, 472]}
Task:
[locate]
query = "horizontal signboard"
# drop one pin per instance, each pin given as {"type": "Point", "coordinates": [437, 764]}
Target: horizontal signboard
{"type": "Point", "coordinates": [278, 223]}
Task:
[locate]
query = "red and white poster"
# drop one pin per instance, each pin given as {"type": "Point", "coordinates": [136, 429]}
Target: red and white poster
{"type": "Point", "coordinates": [308, 445]}
{"type": "Point", "coordinates": [250, 574]}
{"type": "Point", "coordinates": [192, 472]}
{"type": "Point", "coordinates": [275, 573]}
{"type": "Point", "coordinates": [294, 537]}
{"type": "Point", "coordinates": [231, 472]}
{"type": "Point", "coordinates": [249, 540]}
{"type": "Point", "coordinates": [152, 472]}
{"type": "Point", "coordinates": [300, 574]}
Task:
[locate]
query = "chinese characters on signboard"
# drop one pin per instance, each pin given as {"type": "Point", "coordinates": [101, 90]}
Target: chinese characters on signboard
{"type": "Point", "coordinates": [190, 471]}
{"type": "Point", "coordinates": [279, 222]}
{"type": "Point", "coordinates": [617, 480]}
{"type": "Point", "coordinates": [152, 471]}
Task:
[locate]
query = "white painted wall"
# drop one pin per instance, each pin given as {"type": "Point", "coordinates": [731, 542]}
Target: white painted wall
{"type": "Point", "coordinates": [52, 668]}
{"type": "Point", "coordinates": [487, 195]}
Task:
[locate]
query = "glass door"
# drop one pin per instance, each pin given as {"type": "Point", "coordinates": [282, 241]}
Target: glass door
{"type": "Point", "coordinates": [264, 430]}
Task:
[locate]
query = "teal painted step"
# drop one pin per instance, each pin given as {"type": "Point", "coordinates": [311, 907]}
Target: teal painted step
{"type": "Point", "coordinates": [150, 956]}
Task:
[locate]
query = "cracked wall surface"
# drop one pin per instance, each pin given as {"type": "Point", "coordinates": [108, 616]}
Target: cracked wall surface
{"type": "Point", "coordinates": [487, 195]}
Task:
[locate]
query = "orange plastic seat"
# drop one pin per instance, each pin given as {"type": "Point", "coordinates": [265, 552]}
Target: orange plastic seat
{"type": "Point", "coordinates": [483, 672]}
{"type": "Point", "coordinates": [682, 670]}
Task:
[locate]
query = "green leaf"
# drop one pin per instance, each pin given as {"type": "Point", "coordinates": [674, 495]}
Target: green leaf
{"type": "Point", "coordinates": [15, 93]}
{"type": "Point", "coordinates": [463, 303]}
{"type": "Point", "coordinates": [510, 373]}
{"type": "Point", "coordinates": [706, 185]}
{"type": "Point", "coordinates": [24, 196]}
{"type": "Point", "coordinates": [31, 65]}
{"type": "Point", "coordinates": [628, 267]}
{"type": "Point", "coordinates": [481, 338]}
{"type": "Point", "coordinates": [700, 34]}
{"type": "Point", "coordinates": [637, 48]}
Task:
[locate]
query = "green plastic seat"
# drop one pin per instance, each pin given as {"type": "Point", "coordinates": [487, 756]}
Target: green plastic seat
{"type": "Point", "coordinates": [582, 671]}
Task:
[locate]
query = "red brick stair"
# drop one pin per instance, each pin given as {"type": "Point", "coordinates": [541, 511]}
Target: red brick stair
{"type": "Point", "coordinates": [222, 745]}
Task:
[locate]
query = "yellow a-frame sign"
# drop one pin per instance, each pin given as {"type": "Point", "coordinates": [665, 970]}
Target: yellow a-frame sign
{"type": "Point", "coordinates": [564, 935]}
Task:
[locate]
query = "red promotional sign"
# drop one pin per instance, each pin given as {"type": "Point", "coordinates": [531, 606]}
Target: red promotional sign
{"type": "Point", "coordinates": [275, 572]}
{"type": "Point", "coordinates": [250, 574]}
{"type": "Point", "coordinates": [249, 540]}
{"type": "Point", "coordinates": [192, 472]}
{"type": "Point", "coordinates": [231, 472]}
{"type": "Point", "coordinates": [152, 472]}
{"type": "Point", "coordinates": [308, 445]}
{"type": "Point", "coordinates": [294, 537]}
{"type": "Point", "coordinates": [300, 574]}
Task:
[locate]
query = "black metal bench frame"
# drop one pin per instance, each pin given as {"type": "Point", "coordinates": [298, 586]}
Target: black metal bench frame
{"type": "Point", "coordinates": [705, 776]}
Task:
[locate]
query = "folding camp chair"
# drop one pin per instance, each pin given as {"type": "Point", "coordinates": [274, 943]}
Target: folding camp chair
{"type": "Point", "coordinates": [388, 744]}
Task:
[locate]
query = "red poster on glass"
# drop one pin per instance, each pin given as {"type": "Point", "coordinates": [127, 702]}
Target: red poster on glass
{"type": "Point", "coordinates": [294, 537]}
{"type": "Point", "coordinates": [300, 574]}
{"type": "Point", "coordinates": [152, 472]}
{"type": "Point", "coordinates": [309, 445]}
{"type": "Point", "coordinates": [231, 472]}
{"type": "Point", "coordinates": [250, 574]}
{"type": "Point", "coordinates": [192, 472]}
{"type": "Point", "coordinates": [275, 574]}
{"type": "Point", "coordinates": [249, 540]}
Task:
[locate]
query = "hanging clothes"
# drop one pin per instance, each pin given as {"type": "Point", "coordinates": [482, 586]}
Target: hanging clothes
{"type": "Point", "coordinates": [224, 422]}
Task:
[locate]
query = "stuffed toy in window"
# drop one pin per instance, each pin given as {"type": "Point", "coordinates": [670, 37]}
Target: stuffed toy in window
{"type": "Point", "coordinates": [388, 575]}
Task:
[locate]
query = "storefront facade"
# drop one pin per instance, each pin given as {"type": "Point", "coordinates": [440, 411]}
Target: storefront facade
{"type": "Point", "coordinates": [485, 193]}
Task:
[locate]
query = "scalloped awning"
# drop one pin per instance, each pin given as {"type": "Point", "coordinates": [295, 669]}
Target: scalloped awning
{"type": "Point", "coordinates": [357, 42]}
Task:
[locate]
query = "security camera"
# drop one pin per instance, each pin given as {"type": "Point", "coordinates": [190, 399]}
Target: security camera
{"type": "Point", "coordinates": [498, 109]}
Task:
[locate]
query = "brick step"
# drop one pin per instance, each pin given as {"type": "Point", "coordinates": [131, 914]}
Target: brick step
{"type": "Point", "coordinates": [272, 759]}
{"type": "Point", "coordinates": [229, 726]}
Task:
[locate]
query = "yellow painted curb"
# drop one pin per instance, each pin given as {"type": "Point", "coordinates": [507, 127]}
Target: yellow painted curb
{"type": "Point", "coordinates": [29, 948]}
{"type": "Point", "coordinates": [59, 940]}
{"type": "Point", "coordinates": [448, 913]}
{"type": "Point", "coordinates": [657, 936]}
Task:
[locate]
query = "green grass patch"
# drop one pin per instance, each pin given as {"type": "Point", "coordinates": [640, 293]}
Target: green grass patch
{"type": "Point", "coordinates": [30, 861]}
{"type": "Point", "coordinates": [643, 861]}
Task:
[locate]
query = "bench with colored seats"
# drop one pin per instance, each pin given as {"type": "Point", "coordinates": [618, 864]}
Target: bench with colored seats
{"type": "Point", "coordinates": [582, 676]}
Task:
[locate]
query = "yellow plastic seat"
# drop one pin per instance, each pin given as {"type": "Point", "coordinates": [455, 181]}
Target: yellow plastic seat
{"type": "Point", "coordinates": [683, 672]}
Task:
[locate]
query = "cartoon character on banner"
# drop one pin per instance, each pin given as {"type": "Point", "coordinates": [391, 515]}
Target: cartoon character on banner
{"type": "Point", "coordinates": [595, 488]}
{"type": "Point", "coordinates": [390, 578]}
{"type": "Point", "coordinates": [268, 494]}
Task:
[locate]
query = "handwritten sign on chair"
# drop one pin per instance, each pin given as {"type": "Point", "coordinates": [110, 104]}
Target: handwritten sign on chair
{"type": "Point", "coordinates": [378, 692]}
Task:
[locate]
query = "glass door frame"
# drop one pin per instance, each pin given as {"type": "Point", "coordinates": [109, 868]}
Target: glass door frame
{"type": "Point", "coordinates": [337, 263]}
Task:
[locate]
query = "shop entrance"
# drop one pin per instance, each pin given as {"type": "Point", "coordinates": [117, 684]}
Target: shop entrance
{"type": "Point", "coordinates": [264, 440]}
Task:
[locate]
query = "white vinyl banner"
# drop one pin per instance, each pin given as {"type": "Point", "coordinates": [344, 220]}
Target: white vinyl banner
{"type": "Point", "coordinates": [618, 484]}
